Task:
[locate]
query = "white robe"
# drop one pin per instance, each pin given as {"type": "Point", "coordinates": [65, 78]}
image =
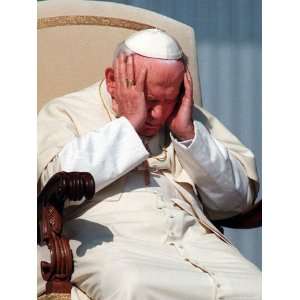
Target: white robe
{"type": "Point", "coordinates": [146, 242]}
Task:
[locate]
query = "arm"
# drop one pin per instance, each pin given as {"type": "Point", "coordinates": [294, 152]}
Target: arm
{"type": "Point", "coordinates": [106, 153]}
{"type": "Point", "coordinates": [220, 178]}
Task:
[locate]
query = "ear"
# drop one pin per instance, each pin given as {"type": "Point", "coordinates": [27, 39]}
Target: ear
{"type": "Point", "coordinates": [111, 87]}
{"type": "Point", "coordinates": [110, 81]}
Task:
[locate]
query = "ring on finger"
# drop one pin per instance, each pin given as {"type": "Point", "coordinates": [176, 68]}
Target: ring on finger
{"type": "Point", "coordinates": [129, 82]}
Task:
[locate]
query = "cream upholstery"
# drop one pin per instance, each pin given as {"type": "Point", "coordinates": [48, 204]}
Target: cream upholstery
{"type": "Point", "coordinates": [76, 40]}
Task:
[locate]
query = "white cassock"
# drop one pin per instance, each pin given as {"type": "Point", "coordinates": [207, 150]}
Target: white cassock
{"type": "Point", "coordinates": [138, 241]}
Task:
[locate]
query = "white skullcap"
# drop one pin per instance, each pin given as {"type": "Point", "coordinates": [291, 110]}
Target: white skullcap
{"type": "Point", "coordinates": [154, 43]}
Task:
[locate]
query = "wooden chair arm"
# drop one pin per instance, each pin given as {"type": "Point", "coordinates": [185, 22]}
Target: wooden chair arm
{"type": "Point", "coordinates": [62, 186]}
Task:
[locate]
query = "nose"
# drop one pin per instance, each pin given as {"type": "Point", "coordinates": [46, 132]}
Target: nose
{"type": "Point", "coordinates": [156, 112]}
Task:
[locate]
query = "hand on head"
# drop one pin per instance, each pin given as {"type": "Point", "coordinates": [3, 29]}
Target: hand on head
{"type": "Point", "coordinates": [129, 94]}
{"type": "Point", "coordinates": [147, 92]}
{"type": "Point", "coordinates": [180, 121]}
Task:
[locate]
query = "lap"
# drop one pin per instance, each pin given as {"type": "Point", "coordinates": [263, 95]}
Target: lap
{"type": "Point", "coordinates": [108, 267]}
{"type": "Point", "coordinates": [121, 270]}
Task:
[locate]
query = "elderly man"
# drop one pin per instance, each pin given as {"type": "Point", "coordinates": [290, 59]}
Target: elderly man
{"type": "Point", "coordinates": [162, 169]}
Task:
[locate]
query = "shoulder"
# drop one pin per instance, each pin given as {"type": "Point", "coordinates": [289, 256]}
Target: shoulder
{"type": "Point", "coordinates": [82, 111]}
{"type": "Point", "coordinates": [83, 98]}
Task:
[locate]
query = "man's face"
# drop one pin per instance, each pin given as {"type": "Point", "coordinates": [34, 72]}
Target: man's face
{"type": "Point", "coordinates": [162, 88]}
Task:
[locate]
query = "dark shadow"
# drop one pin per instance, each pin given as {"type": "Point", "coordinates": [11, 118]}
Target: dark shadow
{"type": "Point", "coordinates": [200, 116]}
{"type": "Point", "coordinates": [89, 233]}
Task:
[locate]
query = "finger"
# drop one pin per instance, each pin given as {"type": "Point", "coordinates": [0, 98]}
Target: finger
{"type": "Point", "coordinates": [130, 70]}
{"type": "Point", "coordinates": [140, 82]}
{"type": "Point", "coordinates": [187, 99]}
{"type": "Point", "coordinates": [122, 70]}
{"type": "Point", "coordinates": [190, 79]}
{"type": "Point", "coordinates": [187, 86]}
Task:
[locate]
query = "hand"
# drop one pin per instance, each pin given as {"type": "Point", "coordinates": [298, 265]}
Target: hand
{"type": "Point", "coordinates": [181, 121]}
{"type": "Point", "coordinates": [129, 97]}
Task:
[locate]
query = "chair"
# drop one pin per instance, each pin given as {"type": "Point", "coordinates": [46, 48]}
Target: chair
{"type": "Point", "coordinates": [71, 36]}
{"type": "Point", "coordinates": [61, 186]}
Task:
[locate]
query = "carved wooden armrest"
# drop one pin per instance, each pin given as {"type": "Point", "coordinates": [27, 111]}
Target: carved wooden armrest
{"type": "Point", "coordinates": [251, 219]}
{"type": "Point", "coordinates": [62, 186]}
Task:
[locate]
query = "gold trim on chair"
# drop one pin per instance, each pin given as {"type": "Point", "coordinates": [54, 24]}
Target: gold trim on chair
{"type": "Point", "coordinates": [90, 20]}
{"type": "Point", "coordinates": [55, 296]}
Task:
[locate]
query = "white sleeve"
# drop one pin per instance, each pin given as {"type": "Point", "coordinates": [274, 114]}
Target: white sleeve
{"type": "Point", "coordinates": [107, 153]}
{"type": "Point", "coordinates": [220, 178]}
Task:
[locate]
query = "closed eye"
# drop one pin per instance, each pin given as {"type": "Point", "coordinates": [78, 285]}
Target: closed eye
{"type": "Point", "coordinates": [170, 101]}
{"type": "Point", "coordinates": [153, 101]}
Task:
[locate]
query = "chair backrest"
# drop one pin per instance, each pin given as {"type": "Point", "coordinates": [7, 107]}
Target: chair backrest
{"type": "Point", "coordinates": [76, 41]}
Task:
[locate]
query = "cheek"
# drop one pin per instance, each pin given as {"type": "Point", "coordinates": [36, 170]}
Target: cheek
{"type": "Point", "coordinates": [168, 109]}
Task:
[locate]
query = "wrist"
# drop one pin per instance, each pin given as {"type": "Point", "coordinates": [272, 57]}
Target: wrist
{"type": "Point", "coordinates": [136, 123]}
{"type": "Point", "coordinates": [185, 135]}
